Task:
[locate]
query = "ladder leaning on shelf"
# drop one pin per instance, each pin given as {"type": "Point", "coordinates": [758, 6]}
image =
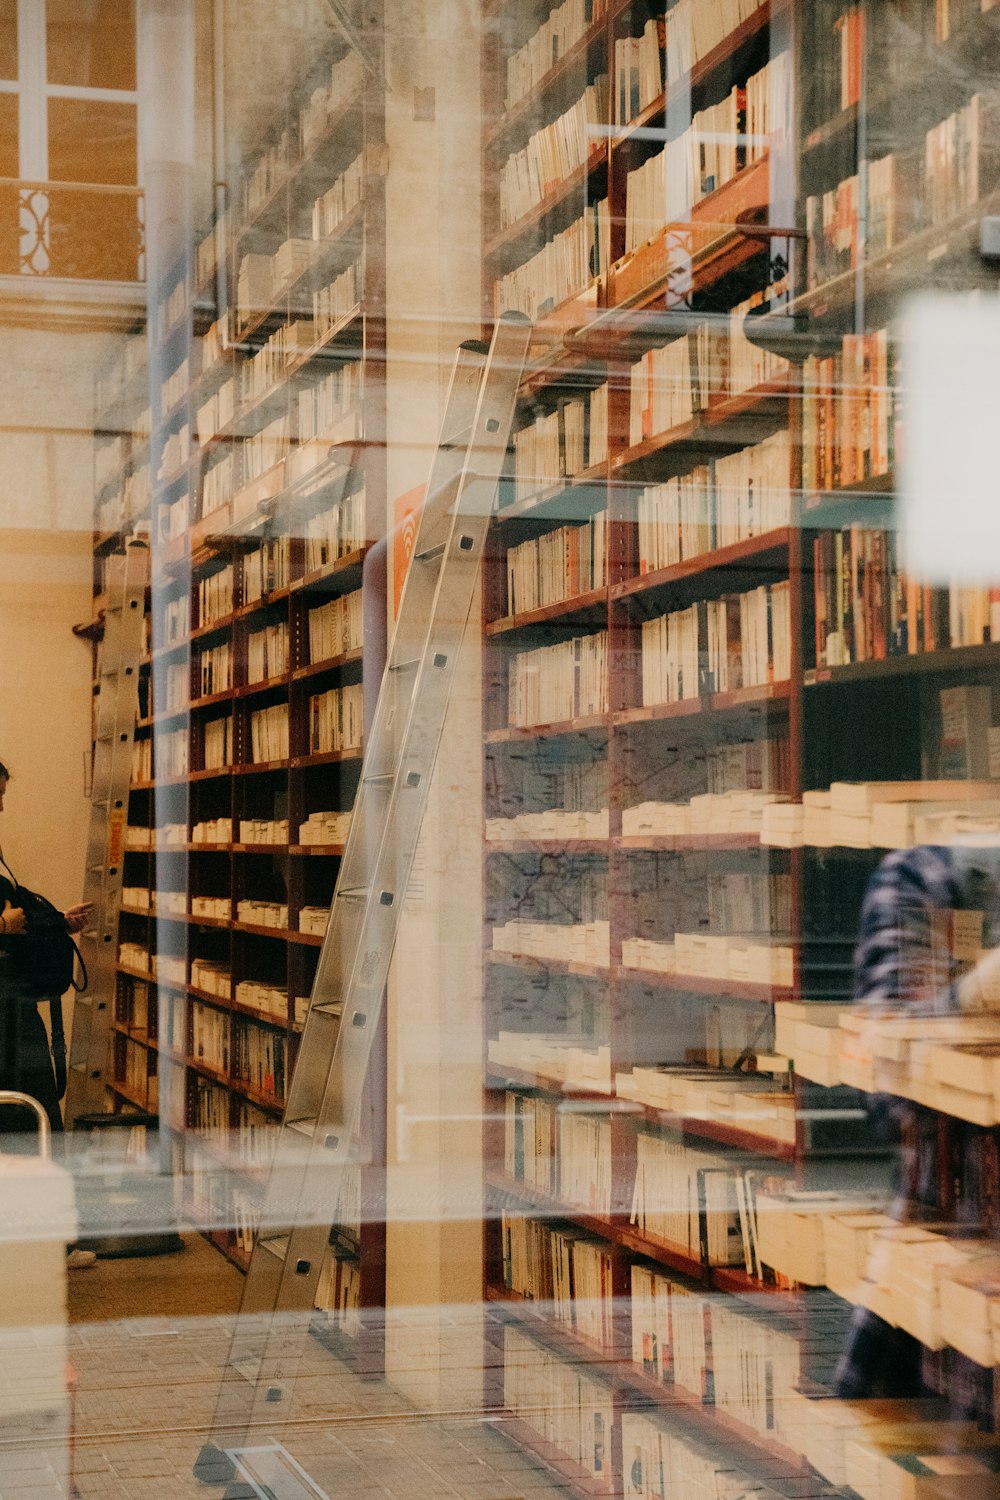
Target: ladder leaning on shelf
{"type": "Point", "coordinates": [318, 1142]}
{"type": "Point", "coordinates": [117, 710]}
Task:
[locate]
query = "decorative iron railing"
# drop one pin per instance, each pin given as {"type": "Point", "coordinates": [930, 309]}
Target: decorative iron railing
{"type": "Point", "coordinates": [80, 231]}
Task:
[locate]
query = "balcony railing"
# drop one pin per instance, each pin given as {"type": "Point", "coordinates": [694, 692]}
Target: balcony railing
{"type": "Point", "coordinates": [79, 231]}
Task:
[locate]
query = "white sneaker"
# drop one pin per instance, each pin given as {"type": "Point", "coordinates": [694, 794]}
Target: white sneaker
{"type": "Point", "coordinates": [80, 1260]}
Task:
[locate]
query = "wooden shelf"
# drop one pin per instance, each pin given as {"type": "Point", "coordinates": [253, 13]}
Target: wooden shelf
{"type": "Point", "coordinates": [568, 500]}
{"type": "Point", "coordinates": [551, 965]}
{"type": "Point", "coordinates": [733, 423]}
{"type": "Point", "coordinates": [766, 551]}
{"type": "Point", "coordinates": [584, 610]}
{"type": "Point", "coordinates": [930, 663]}
{"type": "Point", "coordinates": [698, 984]}
{"type": "Point", "coordinates": [596, 724]}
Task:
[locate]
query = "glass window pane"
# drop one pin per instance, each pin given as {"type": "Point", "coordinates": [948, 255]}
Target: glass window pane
{"type": "Point", "coordinates": [8, 38]}
{"type": "Point", "coordinates": [92, 142]}
{"type": "Point", "coordinates": [91, 43]}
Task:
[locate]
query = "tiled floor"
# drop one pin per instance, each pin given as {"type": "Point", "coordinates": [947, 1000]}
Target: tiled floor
{"type": "Point", "coordinates": [148, 1340]}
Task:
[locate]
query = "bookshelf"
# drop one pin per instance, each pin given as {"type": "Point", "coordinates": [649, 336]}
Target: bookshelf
{"type": "Point", "coordinates": [267, 644]}
{"type": "Point", "coordinates": [693, 600]}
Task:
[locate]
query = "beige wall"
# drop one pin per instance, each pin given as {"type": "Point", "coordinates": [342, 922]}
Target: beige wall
{"type": "Point", "coordinates": [46, 540]}
{"type": "Point", "coordinates": [434, 1249]}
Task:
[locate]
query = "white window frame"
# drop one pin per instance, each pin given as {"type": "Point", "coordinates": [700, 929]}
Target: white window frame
{"type": "Point", "coordinates": [34, 92]}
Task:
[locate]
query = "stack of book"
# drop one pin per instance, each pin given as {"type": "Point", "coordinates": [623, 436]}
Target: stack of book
{"type": "Point", "coordinates": [553, 153]}
{"type": "Point", "coordinates": [314, 919]}
{"type": "Point", "coordinates": [709, 813]}
{"type": "Point", "coordinates": [269, 734]}
{"type": "Point", "coordinates": [792, 1228]}
{"type": "Point", "coordinates": [567, 680]}
{"type": "Point", "coordinates": [216, 907]}
{"type": "Point", "coordinates": [212, 977]}
{"type": "Point", "coordinates": [639, 71]}
{"type": "Point", "coordinates": [563, 27]}
{"type": "Point", "coordinates": [885, 814]}
{"type": "Point", "coordinates": [336, 627]}
{"type": "Point", "coordinates": [555, 823]}
{"type": "Point", "coordinates": [325, 828]}
{"type": "Point", "coordinates": [565, 266]}
{"type": "Point", "coordinates": [558, 565]}
{"type": "Point", "coordinates": [566, 1407]}
{"type": "Point", "coordinates": [567, 942]}
{"type": "Point", "coordinates": [336, 719]}
{"type": "Point", "coordinates": [568, 1273]}
{"type": "Point", "coordinates": [262, 831]}
{"type": "Point", "coordinates": [744, 1101]}
{"type": "Point", "coordinates": [210, 831]}
{"type": "Point", "coordinates": [257, 994]}
{"type": "Point", "coordinates": [262, 913]}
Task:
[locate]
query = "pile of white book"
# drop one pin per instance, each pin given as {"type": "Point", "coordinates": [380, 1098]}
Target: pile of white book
{"type": "Point", "coordinates": [819, 1238]}
{"type": "Point", "coordinates": [886, 815]}
{"type": "Point", "coordinates": [569, 942]}
{"type": "Point", "coordinates": [554, 823]}
{"type": "Point", "coordinates": [211, 831]}
{"type": "Point", "coordinates": [271, 999]}
{"type": "Point", "coordinates": [892, 1450]}
{"type": "Point", "coordinates": [708, 813]}
{"type": "Point", "coordinates": [263, 831]}
{"type": "Point", "coordinates": [752, 958]}
{"type": "Point", "coordinates": [325, 828]}
{"type": "Point", "coordinates": [949, 1063]}
{"type": "Point", "coordinates": [313, 919]}
{"type": "Point", "coordinates": [262, 913]}
{"type": "Point", "coordinates": [212, 977]}
{"type": "Point", "coordinates": [216, 907]}
{"type": "Point", "coordinates": [746, 1101]}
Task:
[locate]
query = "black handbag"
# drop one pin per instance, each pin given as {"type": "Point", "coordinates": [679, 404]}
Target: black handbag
{"type": "Point", "coordinates": [43, 958]}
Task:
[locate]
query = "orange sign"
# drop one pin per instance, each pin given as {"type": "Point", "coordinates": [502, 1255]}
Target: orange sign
{"type": "Point", "coordinates": [407, 514]}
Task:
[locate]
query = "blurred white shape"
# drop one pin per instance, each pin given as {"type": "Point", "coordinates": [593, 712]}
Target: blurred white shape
{"type": "Point", "coordinates": [949, 467]}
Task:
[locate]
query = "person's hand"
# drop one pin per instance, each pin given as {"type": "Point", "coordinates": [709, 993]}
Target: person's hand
{"type": "Point", "coordinates": [979, 990]}
{"type": "Point", "coordinates": [76, 917]}
{"type": "Point", "coordinates": [12, 919]}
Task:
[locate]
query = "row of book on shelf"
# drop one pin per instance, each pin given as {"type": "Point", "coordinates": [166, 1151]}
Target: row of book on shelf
{"type": "Point", "coordinates": [906, 192]}
{"type": "Point", "coordinates": [722, 140]}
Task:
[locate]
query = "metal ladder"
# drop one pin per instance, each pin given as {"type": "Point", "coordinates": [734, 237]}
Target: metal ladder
{"type": "Point", "coordinates": [117, 710]}
{"type": "Point", "coordinates": [318, 1143]}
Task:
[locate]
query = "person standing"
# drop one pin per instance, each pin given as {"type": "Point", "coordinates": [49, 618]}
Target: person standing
{"type": "Point", "coordinates": [26, 1063]}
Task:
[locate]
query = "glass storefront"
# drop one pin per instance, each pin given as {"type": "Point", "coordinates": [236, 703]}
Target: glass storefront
{"type": "Point", "coordinates": [500, 616]}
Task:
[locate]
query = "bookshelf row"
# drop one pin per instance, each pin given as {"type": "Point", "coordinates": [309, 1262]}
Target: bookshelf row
{"type": "Point", "coordinates": [251, 469]}
{"type": "Point", "coordinates": [714, 700]}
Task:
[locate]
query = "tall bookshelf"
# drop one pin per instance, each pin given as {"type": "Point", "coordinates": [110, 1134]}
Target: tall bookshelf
{"type": "Point", "coordinates": [267, 631]}
{"type": "Point", "coordinates": [708, 414]}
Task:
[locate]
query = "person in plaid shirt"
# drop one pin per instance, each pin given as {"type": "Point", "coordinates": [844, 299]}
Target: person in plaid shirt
{"type": "Point", "coordinates": [894, 971]}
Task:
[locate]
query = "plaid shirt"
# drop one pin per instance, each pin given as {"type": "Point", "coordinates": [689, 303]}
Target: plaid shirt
{"type": "Point", "coordinates": [908, 887]}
